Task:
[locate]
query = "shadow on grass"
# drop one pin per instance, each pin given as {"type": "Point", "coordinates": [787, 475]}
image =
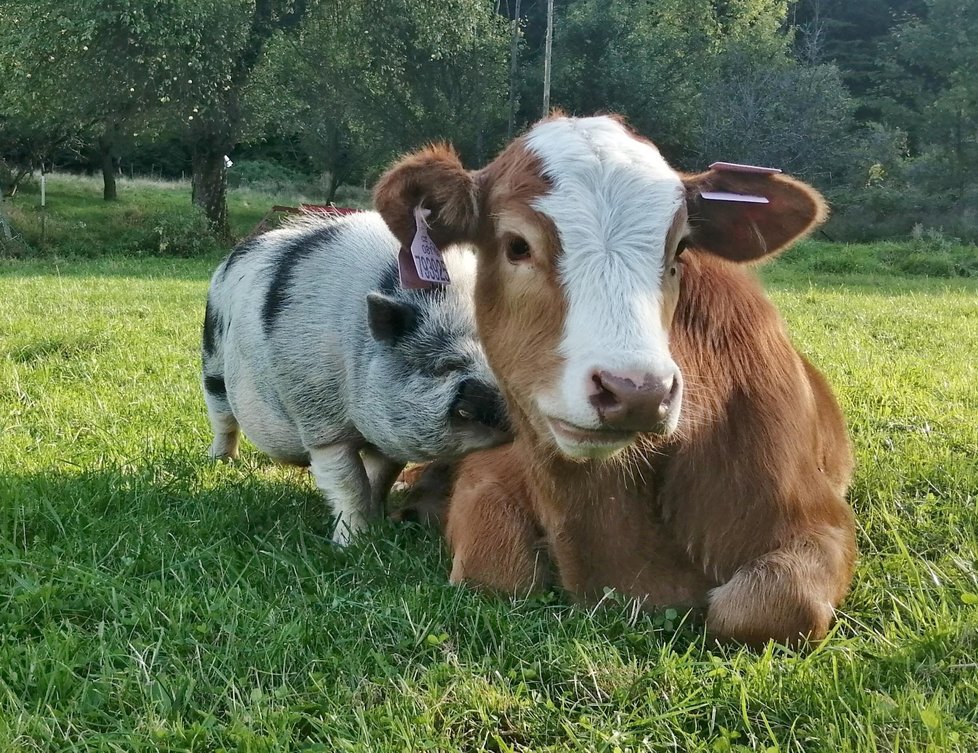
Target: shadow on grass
{"type": "Point", "coordinates": [152, 521]}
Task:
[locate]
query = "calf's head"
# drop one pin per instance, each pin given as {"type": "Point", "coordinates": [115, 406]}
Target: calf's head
{"type": "Point", "coordinates": [578, 225]}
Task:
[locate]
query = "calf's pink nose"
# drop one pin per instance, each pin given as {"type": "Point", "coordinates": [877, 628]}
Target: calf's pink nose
{"type": "Point", "coordinates": [635, 404]}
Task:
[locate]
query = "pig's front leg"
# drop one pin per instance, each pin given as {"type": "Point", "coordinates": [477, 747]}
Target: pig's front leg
{"type": "Point", "coordinates": [341, 477]}
{"type": "Point", "coordinates": [381, 473]}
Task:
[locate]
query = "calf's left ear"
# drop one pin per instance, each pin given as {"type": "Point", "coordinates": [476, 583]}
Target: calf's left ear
{"type": "Point", "coordinates": [745, 231]}
{"type": "Point", "coordinates": [432, 178]}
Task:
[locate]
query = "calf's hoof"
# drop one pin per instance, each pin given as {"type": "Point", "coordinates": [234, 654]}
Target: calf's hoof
{"type": "Point", "coordinates": [745, 612]}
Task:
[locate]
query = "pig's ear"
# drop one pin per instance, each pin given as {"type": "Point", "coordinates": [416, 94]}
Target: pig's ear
{"type": "Point", "coordinates": [389, 319]}
{"type": "Point", "coordinates": [432, 178]}
{"type": "Point", "coordinates": [745, 231]}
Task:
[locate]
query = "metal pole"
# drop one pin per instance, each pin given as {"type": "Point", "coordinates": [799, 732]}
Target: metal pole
{"type": "Point", "coordinates": [546, 58]}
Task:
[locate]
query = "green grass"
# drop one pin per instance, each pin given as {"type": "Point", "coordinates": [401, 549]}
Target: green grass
{"type": "Point", "coordinates": [152, 600]}
{"type": "Point", "coordinates": [151, 217]}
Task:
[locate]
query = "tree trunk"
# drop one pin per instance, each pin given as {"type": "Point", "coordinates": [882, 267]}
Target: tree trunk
{"type": "Point", "coordinates": [514, 52]}
{"type": "Point", "coordinates": [209, 185]}
{"type": "Point", "coordinates": [106, 152]}
{"type": "Point", "coordinates": [109, 192]}
{"type": "Point", "coordinates": [547, 54]}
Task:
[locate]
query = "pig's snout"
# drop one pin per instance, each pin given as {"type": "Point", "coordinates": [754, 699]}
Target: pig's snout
{"type": "Point", "coordinates": [481, 403]}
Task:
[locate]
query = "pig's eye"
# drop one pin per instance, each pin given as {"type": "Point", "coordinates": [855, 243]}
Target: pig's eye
{"type": "Point", "coordinates": [450, 365]}
{"type": "Point", "coordinates": [517, 250]}
{"type": "Point", "coordinates": [464, 414]}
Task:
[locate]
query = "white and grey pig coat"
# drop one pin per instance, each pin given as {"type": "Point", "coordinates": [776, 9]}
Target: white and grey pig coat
{"type": "Point", "coordinates": [314, 351]}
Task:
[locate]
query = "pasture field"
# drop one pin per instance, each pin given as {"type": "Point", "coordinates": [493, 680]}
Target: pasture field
{"type": "Point", "coordinates": [152, 600]}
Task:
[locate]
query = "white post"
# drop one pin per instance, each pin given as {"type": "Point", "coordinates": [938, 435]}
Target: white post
{"type": "Point", "coordinates": [44, 213]}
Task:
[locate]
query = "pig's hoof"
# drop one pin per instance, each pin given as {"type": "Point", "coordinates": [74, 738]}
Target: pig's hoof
{"type": "Point", "coordinates": [346, 530]}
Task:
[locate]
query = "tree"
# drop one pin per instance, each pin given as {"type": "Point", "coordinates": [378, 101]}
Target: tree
{"type": "Point", "coordinates": [224, 46]}
{"type": "Point", "coordinates": [96, 69]}
{"type": "Point", "coordinates": [367, 79]}
{"type": "Point", "coordinates": [652, 61]}
{"type": "Point", "coordinates": [852, 35]}
{"type": "Point", "coordinates": [931, 87]}
{"type": "Point", "coordinates": [792, 116]}
{"type": "Point", "coordinates": [32, 131]}
{"type": "Point", "coordinates": [114, 67]}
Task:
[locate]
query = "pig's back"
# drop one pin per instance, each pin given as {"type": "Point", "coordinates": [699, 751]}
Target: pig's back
{"type": "Point", "coordinates": [295, 301]}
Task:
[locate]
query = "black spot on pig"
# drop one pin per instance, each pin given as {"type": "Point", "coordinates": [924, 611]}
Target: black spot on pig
{"type": "Point", "coordinates": [238, 254]}
{"type": "Point", "coordinates": [280, 288]}
{"type": "Point", "coordinates": [212, 328]}
{"type": "Point", "coordinates": [482, 403]}
{"type": "Point", "coordinates": [215, 385]}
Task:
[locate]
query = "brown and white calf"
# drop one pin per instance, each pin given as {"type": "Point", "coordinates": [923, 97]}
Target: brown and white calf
{"type": "Point", "coordinates": [671, 442]}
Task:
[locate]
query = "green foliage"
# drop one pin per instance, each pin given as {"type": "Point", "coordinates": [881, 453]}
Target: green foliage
{"type": "Point", "coordinates": [853, 36]}
{"type": "Point", "coordinates": [653, 61]}
{"type": "Point", "coordinates": [153, 600]}
{"type": "Point", "coordinates": [185, 233]}
{"type": "Point", "coordinates": [928, 254]}
{"type": "Point", "coordinates": [795, 117]}
{"type": "Point", "coordinates": [367, 80]}
{"type": "Point", "coordinates": [336, 90]}
{"type": "Point", "coordinates": [932, 86]}
{"type": "Point", "coordinates": [263, 175]}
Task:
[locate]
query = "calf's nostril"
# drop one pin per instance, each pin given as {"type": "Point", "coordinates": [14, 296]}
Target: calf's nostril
{"type": "Point", "coordinates": [605, 397]}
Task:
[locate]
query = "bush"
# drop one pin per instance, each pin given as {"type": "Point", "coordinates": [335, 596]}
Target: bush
{"type": "Point", "coordinates": [185, 233]}
{"type": "Point", "coordinates": [928, 254]}
{"type": "Point", "coordinates": [934, 254]}
{"type": "Point", "coordinates": [262, 175]}
{"type": "Point", "coordinates": [889, 194]}
{"type": "Point", "coordinates": [891, 211]}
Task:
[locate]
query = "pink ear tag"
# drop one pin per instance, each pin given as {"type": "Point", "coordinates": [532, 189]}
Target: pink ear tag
{"type": "Point", "coordinates": [733, 167]}
{"type": "Point", "coordinates": [726, 196]}
{"type": "Point", "coordinates": [422, 266]}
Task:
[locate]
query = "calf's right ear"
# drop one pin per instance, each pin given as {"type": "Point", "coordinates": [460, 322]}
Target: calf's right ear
{"type": "Point", "coordinates": [747, 231]}
{"type": "Point", "coordinates": [434, 179]}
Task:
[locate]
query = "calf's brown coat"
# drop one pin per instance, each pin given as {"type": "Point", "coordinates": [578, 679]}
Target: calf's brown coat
{"type": "Point", "coordinates": [741, 510]}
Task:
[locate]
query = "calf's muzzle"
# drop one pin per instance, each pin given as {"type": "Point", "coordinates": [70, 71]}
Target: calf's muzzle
{"type": "Point", "coordinates": [634, 403]}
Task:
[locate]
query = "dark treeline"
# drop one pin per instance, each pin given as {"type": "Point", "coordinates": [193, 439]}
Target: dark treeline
{"type": "Point", "coordinates": [876, 101]}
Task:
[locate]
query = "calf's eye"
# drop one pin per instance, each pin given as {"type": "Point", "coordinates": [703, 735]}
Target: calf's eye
{"type": "Point", "coordinates": [517, 249]}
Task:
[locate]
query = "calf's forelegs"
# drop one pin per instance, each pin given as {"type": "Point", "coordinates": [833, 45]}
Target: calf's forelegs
{"type": "Point", "coordinates": [788, 595]}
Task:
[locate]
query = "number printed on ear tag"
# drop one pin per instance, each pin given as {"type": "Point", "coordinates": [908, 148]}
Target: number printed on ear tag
{"type": "Point", "coordinates": [422, 266]}
{"type": "Point", "coordinates": [427, 256]}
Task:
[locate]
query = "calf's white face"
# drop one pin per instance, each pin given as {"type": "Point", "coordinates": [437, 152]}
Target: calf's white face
{"type": "Point", "coordinates": [618, 212]}
{"type": "Point", "coordinates": [578, 225]}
